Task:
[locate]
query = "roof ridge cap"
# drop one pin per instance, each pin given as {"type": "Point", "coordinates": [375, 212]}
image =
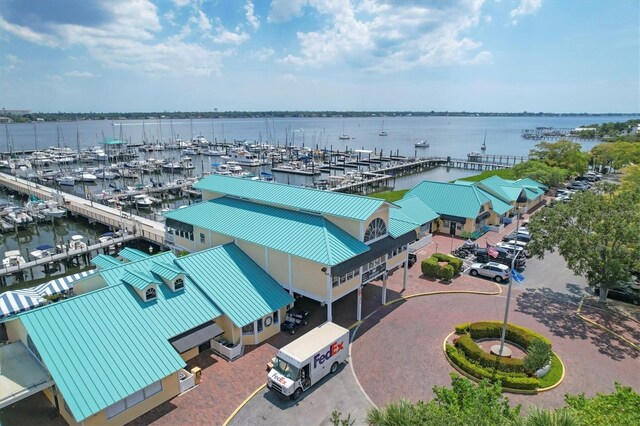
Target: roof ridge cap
{"type": "Point", "coordinates": [325, 231]}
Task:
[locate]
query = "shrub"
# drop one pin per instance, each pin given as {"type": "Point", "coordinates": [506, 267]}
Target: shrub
{"type": "Point", "coordinates": [442, 257]}
{"type": "Point", "coordinates": [475, 354]}
{"type": "Point", "coordinates": [456, 263]}
{"type": "Point", "coordinates": [538, 355]}
{"type": "Point", "coordinates": [513, 382]}
{"type": "Point", "coordinates": [430, 267]}
{"type": "Point", "coordinates": [462, 328]}
{"type": "Point", "coordinates": [446, 272]}
{"type": "Point", "coordinates": [493, 329]}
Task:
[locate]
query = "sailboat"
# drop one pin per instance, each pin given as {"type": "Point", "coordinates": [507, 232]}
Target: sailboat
{"type": "Point", "coordinates": [382, 132]}
{"type": "Point", "coordinates": [344, 136]}
{"type": "Point", "coordinates": [483, 147]}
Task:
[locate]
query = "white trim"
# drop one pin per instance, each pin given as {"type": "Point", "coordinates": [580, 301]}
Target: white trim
{"type": "Point", "coordinates": [361, 230]}
{"type": "Point", "coordinates": [266, 259]}
{"type": "Point", "coordinates": [290, 274]}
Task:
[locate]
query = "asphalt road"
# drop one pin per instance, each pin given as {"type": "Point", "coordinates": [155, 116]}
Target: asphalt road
{"type": "Point", "coordinates": [334, 392]}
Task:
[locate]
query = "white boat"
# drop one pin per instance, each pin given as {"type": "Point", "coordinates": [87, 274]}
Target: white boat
{"type": "Point", "coordinates": [76, 243]}
{"type": "Point", "coordinates": [422, 144]}
{"type": "Point", "coordinates": [48, 208]}
{"type": "Point", "coordinates": [12, 258]}
{"type": "Point", "coordinates": [185, 163]}
{"type": "Point", "coordinates": [86, 177]}
{"type": "Point", "coordinates": [244, 158]}
{"type": "Point", "coordinates": [212, 152]}
{"type": "Point", "coordinates": [382, 132]}
{"type": "Point", "coordinates": [66, 180]}
{"type": "Point", "coordinates": [230, 166]}
{"type": "Point", "coordinates": [18, 218]}
{"type": "Point", "coordinates": [106, 175]}
{"type": "Point", "coordinates": [189, 151]}
{"type": "Point", "coordinates": [43, 251]}
{"type": "Point", "coordinates": [142, 200]}
{"type": "Point", "coordinates": [344, 136]}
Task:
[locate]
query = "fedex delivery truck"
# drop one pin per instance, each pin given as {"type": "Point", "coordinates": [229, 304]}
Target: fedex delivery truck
{"type": "Point", "coordinates": [303, 362]}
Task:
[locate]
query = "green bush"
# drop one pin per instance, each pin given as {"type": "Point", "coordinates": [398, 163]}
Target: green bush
{"type": "Point", "coordinates": [474, 353]}
{"type": "Point", "coordinates": [430, 267]}
{"type": "Point", "coordinates": [493, 329]}
{"type": "Point", "coordinates": [456, 263]}
{"type": "Point", "coordinates": [462, 328]}
{"type": "Point", "coordinates": [538, 355]}
{"type": "Point", "coordinates": [446, 272]}
{"type": "Point", "coordinates": [458, 358]}
{"type": "Point", "coordinates": [554, 375]}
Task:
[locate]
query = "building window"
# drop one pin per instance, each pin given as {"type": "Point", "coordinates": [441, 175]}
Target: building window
{"type": "Point", "coordinates": [247, 329]}
{"type": "Point", "coordinates": [133, 399]}
{"type": "Point", "coordinates": [201, 238]}
{"type": "Point", "coordinates": [276, 317]}
{"type": "Point", "coordinates": [150, 294]}
{"type": "Point", "coordinates": [178, 284]}
{"type": "Point", "coordinates": [260, 326]}
{"type": "Point", "coordinates": [376, 229]}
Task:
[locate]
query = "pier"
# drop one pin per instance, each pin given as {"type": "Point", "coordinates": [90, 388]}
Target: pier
{"type": "Point", "coordinates": [137, 226]}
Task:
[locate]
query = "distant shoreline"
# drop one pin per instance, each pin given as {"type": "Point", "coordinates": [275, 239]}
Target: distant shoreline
{"type": "Point", "coordinates": [72, 116]}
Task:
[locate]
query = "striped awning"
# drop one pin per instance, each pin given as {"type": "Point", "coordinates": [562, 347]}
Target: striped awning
{"type": "Point", "coordinates": [60, 285]}
{"type": "Point", "coordinates": [16, 301]}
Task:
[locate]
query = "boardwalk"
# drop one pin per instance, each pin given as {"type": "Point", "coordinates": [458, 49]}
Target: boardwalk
{"type": "Point", "coordinates": [95, 212]}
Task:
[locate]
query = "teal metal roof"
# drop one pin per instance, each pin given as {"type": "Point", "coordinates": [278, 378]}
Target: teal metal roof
{"type": "Point", "coordinates": [497, 205]}
{"type": "Point", "coordinates": [398, 226]}
{"type": "Point", "coordinates": [300, 234]}
{"type": "Point", "coordinates": [139, 279]}
{"type": "Point", "coordinates": [449, 198]}
{"type": "Point", "coordinates": [100, 348]}
{"type": "Point", "coordinates": [354, 207]}
{"type": "Point", "coordinates": [132, 254]}
{"type": "Point", "coordinates": [166, 271]}
{"type": "Point", "coordinates": [102, 261]}
{"type": "Point", "coordinates": [113, 275]}
{"type": "Point", "coordinates": [415, 209]}
{"type": "Point", "coordinates": [241, 288]}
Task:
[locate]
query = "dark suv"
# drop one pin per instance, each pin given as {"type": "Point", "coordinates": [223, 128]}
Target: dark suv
{"type": "Point", "coordinates": [504, 257]}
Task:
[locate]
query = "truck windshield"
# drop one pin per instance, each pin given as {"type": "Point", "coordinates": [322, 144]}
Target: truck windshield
{"type": "Point", "coordinates": [286, 369]}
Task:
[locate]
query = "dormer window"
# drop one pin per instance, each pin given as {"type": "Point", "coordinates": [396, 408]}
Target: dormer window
{"type": "Point", "coordinates": [376, 229]}
{"type": "Point", "coordinates": [150, 294]}
{"type": "Point", "coordinates": [178, 284]}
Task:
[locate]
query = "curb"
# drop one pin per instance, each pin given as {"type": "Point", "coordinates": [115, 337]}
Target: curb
{"type": "Point", "coordinates": [504, 390]}
{"type": "Point", "coordinates": [239, 407]}
{"type": "Point", "coordinates": [608, 330]}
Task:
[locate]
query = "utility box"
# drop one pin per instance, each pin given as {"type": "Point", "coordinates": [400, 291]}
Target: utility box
{"type": "Point", "coordinates": [197, 373]}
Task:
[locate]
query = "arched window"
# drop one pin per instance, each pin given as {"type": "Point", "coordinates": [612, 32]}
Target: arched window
{"type": "Point", "coordinates": [150, 294]}
{"type": "Point", "coordinates": [178, 284]}
{"type": "Point", "coordinates": [376, 229]}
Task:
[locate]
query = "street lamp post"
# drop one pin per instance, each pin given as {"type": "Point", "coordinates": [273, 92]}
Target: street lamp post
{"type": "Point", "coordinates": [513, 263]}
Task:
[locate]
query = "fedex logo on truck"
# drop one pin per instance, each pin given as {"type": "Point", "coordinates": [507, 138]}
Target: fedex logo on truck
{"type": "Point", "coordinates": [333, 350]}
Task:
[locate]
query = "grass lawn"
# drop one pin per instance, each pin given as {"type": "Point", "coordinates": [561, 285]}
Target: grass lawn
{"type": "Point", "coordinates": [390, 196]}
{"type": "Point", "coordinates": [552, 377]}
{"type": "Point", "coordinates": [503, 173]}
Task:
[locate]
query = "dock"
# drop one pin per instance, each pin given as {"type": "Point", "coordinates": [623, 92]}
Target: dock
{"type": "Point", "coordinates": [137, 226]}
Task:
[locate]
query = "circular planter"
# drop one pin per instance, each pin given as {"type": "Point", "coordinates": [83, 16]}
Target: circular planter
{"type": "Point", "coordinates": [543, 371]}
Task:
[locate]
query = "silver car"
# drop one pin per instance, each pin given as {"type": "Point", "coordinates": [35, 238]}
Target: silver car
{"type": "Point", "coordinates": [493, 270]}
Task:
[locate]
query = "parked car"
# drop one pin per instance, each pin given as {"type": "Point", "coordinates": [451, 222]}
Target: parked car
{"type": "Point", "coordinates": [412, 259]}
{"type": "Point", "coordinates": [493, 270]}
{"type": "Point", "coordinates": [504, 257]}
{"type": "Point", "coordinates": [624, 294]}
{"type": "Point", "coordinates": [521, 237]}
{"type": "Point", "coordinates": [511, 246]}
{"type": "Point", "coordinates": [579, 185]}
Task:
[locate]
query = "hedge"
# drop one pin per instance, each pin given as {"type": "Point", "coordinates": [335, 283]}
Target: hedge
{"type": "Point", "coordinates": [493, 329]}
{"type": "Point", "coordinates": [451, 260]}
{"type": "Point", "coordinates": [524, 383]}
{"type": "Point", "coordinates": [462, 328]}
{"type": "Point", "coordinates": [476, 354]}
{"type": "Point", "coordinates": [431, 267]}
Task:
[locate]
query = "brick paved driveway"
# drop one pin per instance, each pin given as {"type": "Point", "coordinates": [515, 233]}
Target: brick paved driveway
{"type": "Point", "coordinates": [402, 345]}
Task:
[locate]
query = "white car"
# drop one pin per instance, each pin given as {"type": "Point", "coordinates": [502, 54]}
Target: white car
{"type": "Point", "coordinates": [510, 246]}
{"type": "Point", "coordinates": [493, 270]}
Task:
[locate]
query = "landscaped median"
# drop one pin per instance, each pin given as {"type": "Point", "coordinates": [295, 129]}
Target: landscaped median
{"type": "Point", "coordinates": [539, 370]}
{"type": "Point", "coordinates": [442, 266]}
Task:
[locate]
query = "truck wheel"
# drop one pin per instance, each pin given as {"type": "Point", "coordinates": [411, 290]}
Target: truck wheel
{"type": "Point", "coordinates": [473, 272]}
{"type": "Point", "coordinates": [334, 367]}
{"type": "Point", "coordinates": [297, 394]}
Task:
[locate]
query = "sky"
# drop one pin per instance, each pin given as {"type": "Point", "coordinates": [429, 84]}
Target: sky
{"type": "Point", "coordinates": [340, 55]}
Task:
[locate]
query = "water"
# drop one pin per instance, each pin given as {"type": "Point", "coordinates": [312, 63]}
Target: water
{"type": "Point", "coordinates": [447, 136]}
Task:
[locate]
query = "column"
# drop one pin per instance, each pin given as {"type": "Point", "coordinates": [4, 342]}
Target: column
{"type": "Point", "coordinates": [359, 306]}
{"type": "Point", "coordinates": [404, 272]}
{"type": "Point", "coordinates": [384, 288]}
{"type": "Point", "coordinates": [329, 295]}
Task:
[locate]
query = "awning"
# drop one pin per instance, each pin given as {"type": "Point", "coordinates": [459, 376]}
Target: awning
{"type": "Point", "coordinates": [22, 375]}
{"type": "Point", "coordinates": [196, 336]}
{"type": "Point", "coordinates": [60, 285]}
{"type": "Point", "coordinates": [482, 217]}
{"type": "Point", "coordinates": [377, 249]}
{"type": "Point", "coordinates": [16, 301]}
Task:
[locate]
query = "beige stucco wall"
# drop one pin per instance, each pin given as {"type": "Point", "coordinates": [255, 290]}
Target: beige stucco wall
{"type": "Point", "coordinates": [16, 331]}
{"type": "Point", "coordinates": [279, 267]}
{"type": "Point", "coordinates": [231, 332]}
{"type": "Point", "coordinates": [209, 195]}
{"type": "Point", "coordinates": [88, 284]}
{"type": "Point", "coordinates": [350, 226]}
{"type": "Point", "coordinates": [254, 251]}
{"type": "Point", "coordinates": [308, 277]}
{"type": "Point", "coordinates": [396, 260]}
{"type": "Point", "coordinates": [170, 388]}
{"type": "Point", "coordinates": [346, 288]}
{"type": "Point", "coordinates": [191, 353]}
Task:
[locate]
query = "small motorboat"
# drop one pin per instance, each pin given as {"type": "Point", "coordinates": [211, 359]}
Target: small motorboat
{"type": "Point", "coordinates": [422, 144]}
{"type": "Point", "coordinates": [142, 201]}
{"type": "Point", "coordinates": [42, 251]}
{"type": "Point", "coordinates": [66, 180]}
{"type": "Point", "coordinates": [12, 258]}
{"type": "Point", "coordinates": [86, 177]}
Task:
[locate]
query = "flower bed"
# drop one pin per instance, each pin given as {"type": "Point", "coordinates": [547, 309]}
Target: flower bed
{"type": "Point", "coordinates": [515, 374]}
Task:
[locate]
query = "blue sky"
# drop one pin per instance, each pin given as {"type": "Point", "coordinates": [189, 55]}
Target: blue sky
{"type": "Point", "coordinates": [442, 55]}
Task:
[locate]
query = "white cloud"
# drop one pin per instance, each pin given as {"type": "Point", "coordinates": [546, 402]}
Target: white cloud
{"type": "Point", "coordinates": [170, 16]}
{"type": "Point", "coordinates": [55, 77]}
{"type": "Point", "coordinates": [391, 35]}
{"type": "Point", "coordinates": [262, 54]}
{"type": "Point", "coordinates": [526, 7]}
{"type": "Point", "coordinates": [252, 19]}
{"type": "Point", "coordinates": [13, 59]}
{"type": "Point", "coordinates": [181, 3]}
{"type": "Point", "coordinates": [81, 74]}
{"type": "Point", "coordinates": [128, 39]}
{"type": "Point", "coordinates": [203, 21]}
{"type": "Point", "coordinates": [224, 36]}
{"type": "Point", "coordinates": [283, 10]}
{"type": "Point", "coordinates": [289, 78]}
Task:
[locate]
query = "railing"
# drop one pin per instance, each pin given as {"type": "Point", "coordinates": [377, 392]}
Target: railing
{"type": "Point", "coordinates": [422, 242]}
{"type": "Point", "coordinates": [229, 353]}
{"type": "Point", "coordinates": [187, 380]}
